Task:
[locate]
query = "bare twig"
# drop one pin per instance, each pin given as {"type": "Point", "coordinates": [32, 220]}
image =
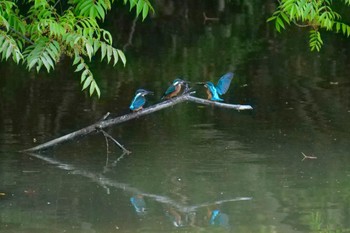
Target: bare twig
{"type": "Point", "coordinates": [56, 3]}
{"type": "Point", "coordinates": [115, 141]}
{"type": "Point", "coordinates": [105, 116]}
{"type": "Point", "coordinates": [301, 25]}
{"type": "Point", "coordinates": [131, 34]}
{"type": "Point", "coordinates": [307, 157]}
{"type": "Point", "coordinates": [21, 35]}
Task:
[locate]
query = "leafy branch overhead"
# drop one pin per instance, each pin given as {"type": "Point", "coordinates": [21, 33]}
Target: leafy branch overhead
{"type": "Point", "coordinates": [313, 14]}
{"type": "Point", "coordinates": [40, 36]}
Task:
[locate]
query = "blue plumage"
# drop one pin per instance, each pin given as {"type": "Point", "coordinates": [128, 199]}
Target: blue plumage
{"type": "Point", "coordinates": [138, 203]}
{"type": "Point", "coordinates": [173, 89]}
{"type": "Point", "coordinates": [219, 219]}
{"type": "Point", "coordinates": [139, 100]}
{"type": "Point", "coordinates": [221, 87]}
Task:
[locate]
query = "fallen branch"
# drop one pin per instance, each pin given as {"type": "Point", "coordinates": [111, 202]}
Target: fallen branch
{"type": "Point", "coordinates": [104, 123]}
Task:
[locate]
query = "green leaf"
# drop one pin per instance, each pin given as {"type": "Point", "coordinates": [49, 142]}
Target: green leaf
{"type": "Point", "coordinates": [89, 50]}
{"type": "Point", "coordinates": [32, 63]}
{"type": "Point", "coordinates": [280, 22]}
{"type": "Point", "coordinates": [145, 11]}
{"type": "Point", "coordinates": [337, 25]}
{"type": "Point", "coordinates": [76, 59]}
{"type": "Point", "coordinates": [98, 92]}
{"type": "Point", "coordinates": [4, 46]}
{"type": "Point", "coordinates": [107, 36]}
{"type": "Point", "coordinates": [132, 4]}
{"type": "Point", "coordinates": [103, 50]}
{"type": "Point", "coordinates": [80, 67]}
{"type": "Point", "coordinates": [122, 56]}
{"type": "Point", "coordinates": [271, 19]}
{"type": "Point", "coordinates": [49, 60]}
{"type": "Point", "coordinates": [92, 88]}
{"type": "Point", "coordinates": [83, 75]}
{"type": "Point", "coordinates": [285, 17]}
{"type": "Point", "coordinates": [46, 63]}
{"type": "Point", "coordinates": [87, 82]}
{"type": "Point", "coordinates": [9, 52]}
{"type": "Point", "coordinates": [97, 45]}
{"type": "Point", "coordinates": [139, 7]}
{"type": "Point", "coordinates": [101, 12]}
{"type": "Point", "coordinates": [115, 56]}
{"type": "Point", "coordinates": [343, 26]}
{"type": "Point", "coordinates": [109, 53]}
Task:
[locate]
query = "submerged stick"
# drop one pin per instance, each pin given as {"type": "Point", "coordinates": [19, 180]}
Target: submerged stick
{"type": "Point", "coordinates": [104, 123]}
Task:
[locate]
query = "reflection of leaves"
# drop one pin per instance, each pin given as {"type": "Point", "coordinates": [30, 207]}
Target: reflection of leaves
{"type": "Point", "coordinates": [315, 221]}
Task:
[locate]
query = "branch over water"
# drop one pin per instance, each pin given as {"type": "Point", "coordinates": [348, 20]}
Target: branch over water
{"type": "Point", "coordinates": [104, 123]}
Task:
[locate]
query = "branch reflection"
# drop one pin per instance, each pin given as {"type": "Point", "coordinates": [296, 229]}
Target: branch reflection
{"type": "Point", "coordinates": [179, 214]}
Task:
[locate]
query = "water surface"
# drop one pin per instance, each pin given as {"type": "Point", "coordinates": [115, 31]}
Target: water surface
{"type": "Point", "coordinates": [186, 160]}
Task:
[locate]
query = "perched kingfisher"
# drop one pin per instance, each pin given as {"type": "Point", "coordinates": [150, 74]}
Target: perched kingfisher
{"type": "Point", "coordinates": [221, 87]}
{"type": "Point", "coordinates": [139, 100]}
{"type": "Point", "coordinates": [174, 89]}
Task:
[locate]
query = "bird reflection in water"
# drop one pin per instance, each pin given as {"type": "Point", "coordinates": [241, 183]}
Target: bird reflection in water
{"type": "Point", "coordinates": [218, 218]}
{"type": "Point", "coordinates": [139, 204]}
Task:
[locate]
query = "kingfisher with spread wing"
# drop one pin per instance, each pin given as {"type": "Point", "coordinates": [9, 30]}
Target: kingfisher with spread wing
{"type": "Point", "coordinates": [214, 92]}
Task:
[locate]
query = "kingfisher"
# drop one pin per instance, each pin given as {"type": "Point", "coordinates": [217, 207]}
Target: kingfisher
{"type": "Point", "coordinates": [139, 100]}
{"type": "Point", "coordinates": [174, 89]}
{"type": "Point", "coordinates": [221, 87]}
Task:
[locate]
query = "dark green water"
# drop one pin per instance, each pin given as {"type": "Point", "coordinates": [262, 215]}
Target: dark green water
{"type": "Point", "coordinates": [188, 159]}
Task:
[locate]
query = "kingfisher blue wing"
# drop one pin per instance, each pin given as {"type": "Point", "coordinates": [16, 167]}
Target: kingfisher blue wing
{"type": "Point", "coordinates": [137, 102]}
{"type": "Point", "coordinates": [139, 203]}
{"type": "Point", "coordinates": [214, 214]}
{"type": "Point", "coordinates": [224, 83]}
{"type": "Point", "coordinates": [170, 89]}
{"type": "Point", "coordinates": [213, 93]}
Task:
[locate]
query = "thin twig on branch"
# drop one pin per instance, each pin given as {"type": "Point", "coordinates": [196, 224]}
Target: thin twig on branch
{"type": "Point", "coordinates": [96, 127]}
{"type": "Point", "coordinates": [131, 34]}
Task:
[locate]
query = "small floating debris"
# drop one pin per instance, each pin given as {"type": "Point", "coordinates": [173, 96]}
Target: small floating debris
{"type": "Point", "coordinates": [30, 171]}
{"type": "Point", "coordinates": [307, 157]}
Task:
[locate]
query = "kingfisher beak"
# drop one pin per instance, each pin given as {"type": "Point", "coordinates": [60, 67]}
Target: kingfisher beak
{"type": "Point", "coordinates": [149, 93]}
{"type": "Point", "coordinates": [200, 83]}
